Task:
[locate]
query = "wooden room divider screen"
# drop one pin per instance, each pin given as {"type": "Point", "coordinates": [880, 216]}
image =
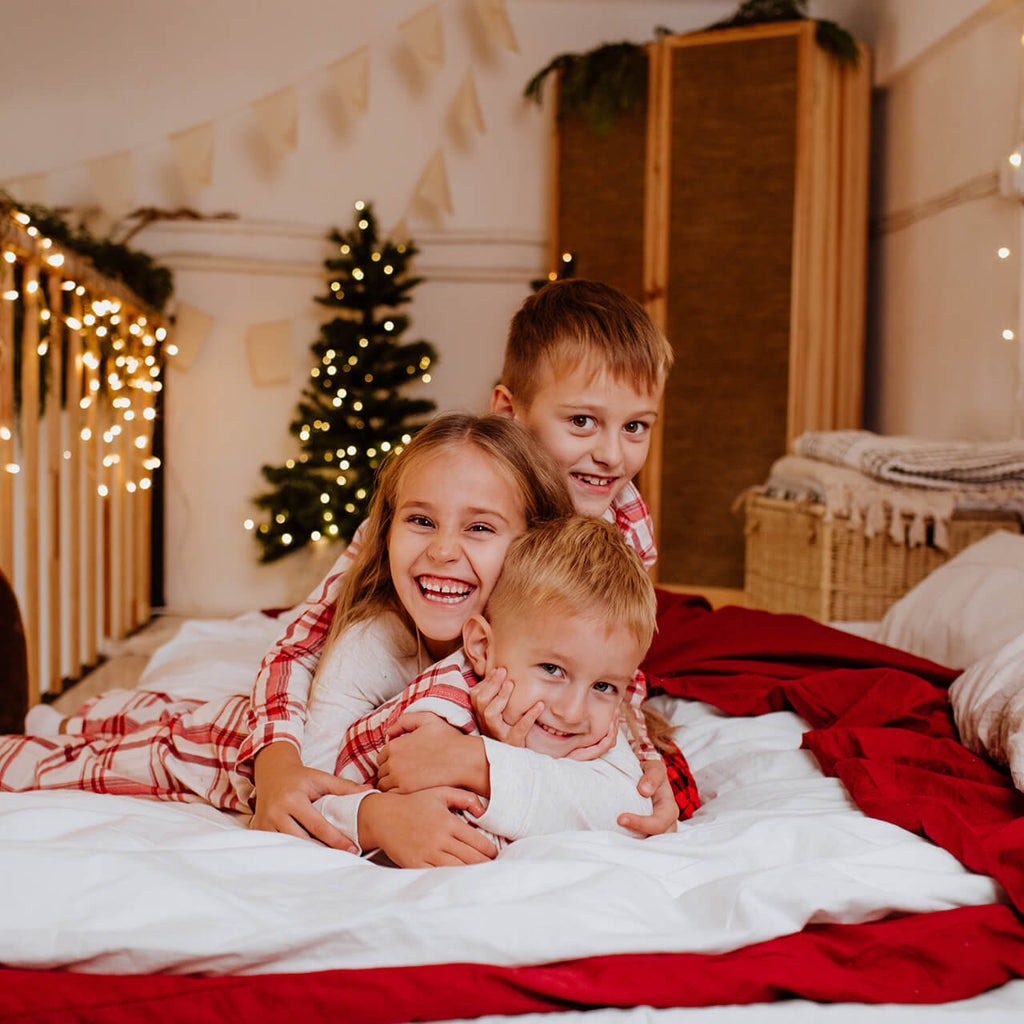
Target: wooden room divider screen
{"type": "Point", "coordinates": [733, 203]}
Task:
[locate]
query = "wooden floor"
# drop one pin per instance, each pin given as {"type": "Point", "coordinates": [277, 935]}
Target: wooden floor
{"type": "Point", "coordinates": [718, 597]}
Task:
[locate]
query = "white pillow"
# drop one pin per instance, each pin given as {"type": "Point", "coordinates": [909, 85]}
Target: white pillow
{"type": "Point", "coordinates": [965, 610]}
{"type": "Point", "coordinates": [988, 706]}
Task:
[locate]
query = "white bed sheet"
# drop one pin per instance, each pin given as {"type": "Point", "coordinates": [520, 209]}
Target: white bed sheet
{"type": "Point", "coordinates": [102, 883]}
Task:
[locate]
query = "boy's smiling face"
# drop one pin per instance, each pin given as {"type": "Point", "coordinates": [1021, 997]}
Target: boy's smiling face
{"type": "Point", "coordinates": [579, 666]}
{"type": "Point", "coordinates": [597, 428]}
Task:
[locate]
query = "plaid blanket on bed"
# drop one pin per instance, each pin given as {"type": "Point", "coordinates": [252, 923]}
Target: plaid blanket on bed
{"type": "Point", "coordinates": [915, 461]}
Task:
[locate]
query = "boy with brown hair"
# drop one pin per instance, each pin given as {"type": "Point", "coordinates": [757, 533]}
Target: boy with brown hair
{"type": "Point", "coordinates": [585, 367]}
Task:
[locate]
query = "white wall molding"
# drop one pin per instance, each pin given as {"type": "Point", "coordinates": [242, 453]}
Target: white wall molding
{"type": "Point", "coordinates": [281, 249]}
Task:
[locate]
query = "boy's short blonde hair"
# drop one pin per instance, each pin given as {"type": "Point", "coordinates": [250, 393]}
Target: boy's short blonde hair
{"type": "Point", "coordinates": [577, 565]}
{"type": "Point", "coordinates": [576, 322]}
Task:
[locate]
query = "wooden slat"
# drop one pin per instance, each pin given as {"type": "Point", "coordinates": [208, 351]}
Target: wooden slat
{"type": "Point", "coordinates": [803, 243]}
{"type": "Point", "coordinates": [92, 502]}
{"type": "Point", "coordinates": [856, 88]}
{"type": "Point", "coordinates": [7, 421]}
{"type": "Point", "coordinates": [74, 382]}
{"type": "Point", "coordinates": [655, 253]}
{"type": "Point", "coordinates": [53, 553]}
{"type": "Point", "coordinates": [28, 590]}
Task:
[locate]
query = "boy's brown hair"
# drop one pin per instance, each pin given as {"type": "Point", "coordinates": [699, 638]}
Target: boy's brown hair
{"type": "Point", "coordinates": [576, 322]}
{"type": "Point", "coordinates": [576, 565]}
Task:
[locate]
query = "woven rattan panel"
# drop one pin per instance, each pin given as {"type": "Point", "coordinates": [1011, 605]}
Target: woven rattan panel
{"type": "Point", "coordinates": [600, 217]}
{"type": "Point", "coordinates": [731, 230]}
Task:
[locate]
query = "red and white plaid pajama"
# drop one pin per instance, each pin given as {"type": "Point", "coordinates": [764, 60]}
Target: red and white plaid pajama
{"type": "Point", "coordinates": [140, 743]}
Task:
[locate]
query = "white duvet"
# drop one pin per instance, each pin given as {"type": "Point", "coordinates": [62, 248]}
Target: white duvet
{"type": "Point", "coordinates": [117, 884]}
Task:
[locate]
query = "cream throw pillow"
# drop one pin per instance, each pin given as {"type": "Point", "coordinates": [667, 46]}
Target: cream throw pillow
{"type": "Point", "coordinates": [988, 706]}
{"type": "Point", "coordinates": [965, 610]}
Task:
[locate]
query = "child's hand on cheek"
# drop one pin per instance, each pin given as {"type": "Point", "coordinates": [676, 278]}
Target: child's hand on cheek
{"type": "Point", "coordinates": [419, 830]}
{"type": "Point", "coordinates": [601, 747]}
{"type": "Point", "coordinates": [490, 699]}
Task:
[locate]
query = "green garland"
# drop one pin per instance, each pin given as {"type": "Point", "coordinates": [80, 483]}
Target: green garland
{"type": "Point", "coordinates": [138, 271]}
{"type": "Point", "coordinates": [609, 80]}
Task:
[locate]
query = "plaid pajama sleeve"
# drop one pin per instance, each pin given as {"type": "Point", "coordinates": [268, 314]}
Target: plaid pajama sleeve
{"type": "Point", "coordinates": [281, 692]}
{"type": "Point", "coordinates": [443, 688]}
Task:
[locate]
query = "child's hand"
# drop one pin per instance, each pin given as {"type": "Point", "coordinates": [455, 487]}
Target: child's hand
{"type": "Point", "coordinates": [665, 816]}
{"type": "Point", "coordinates": [285, 791]}
{"type": "Point", "coordinates": [424, 751]}
{"type": "Point", "coordinates": [600, 748]}
{"type": "Point", "coordinates": [419, 830]}
{"type": "Point", "coordinates": [490, 699]}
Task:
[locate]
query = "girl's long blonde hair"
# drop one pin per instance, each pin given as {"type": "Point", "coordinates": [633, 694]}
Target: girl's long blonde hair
{"type": "Point", "coordinates": [367, 589]}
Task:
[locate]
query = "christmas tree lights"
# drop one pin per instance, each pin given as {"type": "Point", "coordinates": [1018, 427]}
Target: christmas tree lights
{"type": "Point", "coordinates": [351, 414]}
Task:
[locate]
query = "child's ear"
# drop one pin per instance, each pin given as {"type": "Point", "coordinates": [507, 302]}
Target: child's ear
{"type": "Point", "coordinates": [476, 642]}
{"type": "Point", "coordinates": [502, 403]}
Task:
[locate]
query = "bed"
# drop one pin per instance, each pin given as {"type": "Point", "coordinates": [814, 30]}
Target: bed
{"type": "Point", "coordinates": [850, 850]}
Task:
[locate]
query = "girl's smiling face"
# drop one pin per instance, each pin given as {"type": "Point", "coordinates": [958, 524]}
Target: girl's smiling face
{"type": "Point", "coordinates": [455, 516]}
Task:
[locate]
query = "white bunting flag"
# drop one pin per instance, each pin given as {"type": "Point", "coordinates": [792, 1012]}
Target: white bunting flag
{"type": "Point", "coordinates": [278, 115]}
{"type": "Point", "coordinates": [270, 353]}
{"type": "Point", "coordinates": [350, 78]}
{"type": "Point", "coordinates": [33, 189]}
{"type": "Point", "coordinates": [113, 180]}
{"type": "Point", "coordinates": [423, 35]}
{"type": "Point", "coordinates": [466, 107]}
{"type": "Point", "coordinates": [191, 329]}
{"type": "Point", "coordinates": [432, 187]}
{"type": "Point", "coordinates": [399, 234]}
{"type": "Point", "coordinates": [192, 150]}
{"type": "Point", "coordinates": [496, 23]}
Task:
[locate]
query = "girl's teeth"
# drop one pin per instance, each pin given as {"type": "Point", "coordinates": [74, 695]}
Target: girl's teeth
{"type": "Point", "coordinates": [448, 592]}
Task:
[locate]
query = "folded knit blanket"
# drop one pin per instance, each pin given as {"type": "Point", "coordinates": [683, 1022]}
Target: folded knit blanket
{"type": "Point", "coordinates": [866, 504]}
{"type": "Point", "coordinates": [922, 463]}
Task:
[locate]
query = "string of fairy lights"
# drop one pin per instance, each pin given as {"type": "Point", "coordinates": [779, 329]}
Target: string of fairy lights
{"type": "Point", "coordinates": [120, 361]}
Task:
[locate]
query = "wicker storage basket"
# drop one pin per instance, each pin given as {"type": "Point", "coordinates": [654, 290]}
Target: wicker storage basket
{"type": "Point", "coordinates": [797, 562]}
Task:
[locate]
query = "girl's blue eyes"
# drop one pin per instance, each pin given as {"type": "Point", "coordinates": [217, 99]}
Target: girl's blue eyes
{"type": "Point", "coordinates": [603, 687]}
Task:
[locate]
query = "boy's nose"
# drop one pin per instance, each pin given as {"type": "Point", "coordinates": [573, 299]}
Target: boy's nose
{"type": "Point", "coordinates": [608, 449]}
{"type": "Point", "coordinates": [570, 705]}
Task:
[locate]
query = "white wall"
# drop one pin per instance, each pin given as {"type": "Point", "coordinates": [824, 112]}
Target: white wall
{"type": "Point", "coordinates": [947, 116]}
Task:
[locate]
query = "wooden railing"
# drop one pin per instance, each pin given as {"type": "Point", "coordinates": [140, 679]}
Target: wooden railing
{"type": "Point", "coordinates": [80, 366]}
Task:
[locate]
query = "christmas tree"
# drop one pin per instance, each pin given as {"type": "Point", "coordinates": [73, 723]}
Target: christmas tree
{"type": "Point", "coordinates": [352, 412]}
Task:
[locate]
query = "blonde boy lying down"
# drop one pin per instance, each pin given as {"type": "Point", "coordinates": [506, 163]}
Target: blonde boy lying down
{"type": "Point", "coordinates": [568, 621]}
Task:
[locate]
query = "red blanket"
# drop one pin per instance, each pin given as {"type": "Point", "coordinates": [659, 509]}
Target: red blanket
{"type": "Point", "coordinates": [880, 721]}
